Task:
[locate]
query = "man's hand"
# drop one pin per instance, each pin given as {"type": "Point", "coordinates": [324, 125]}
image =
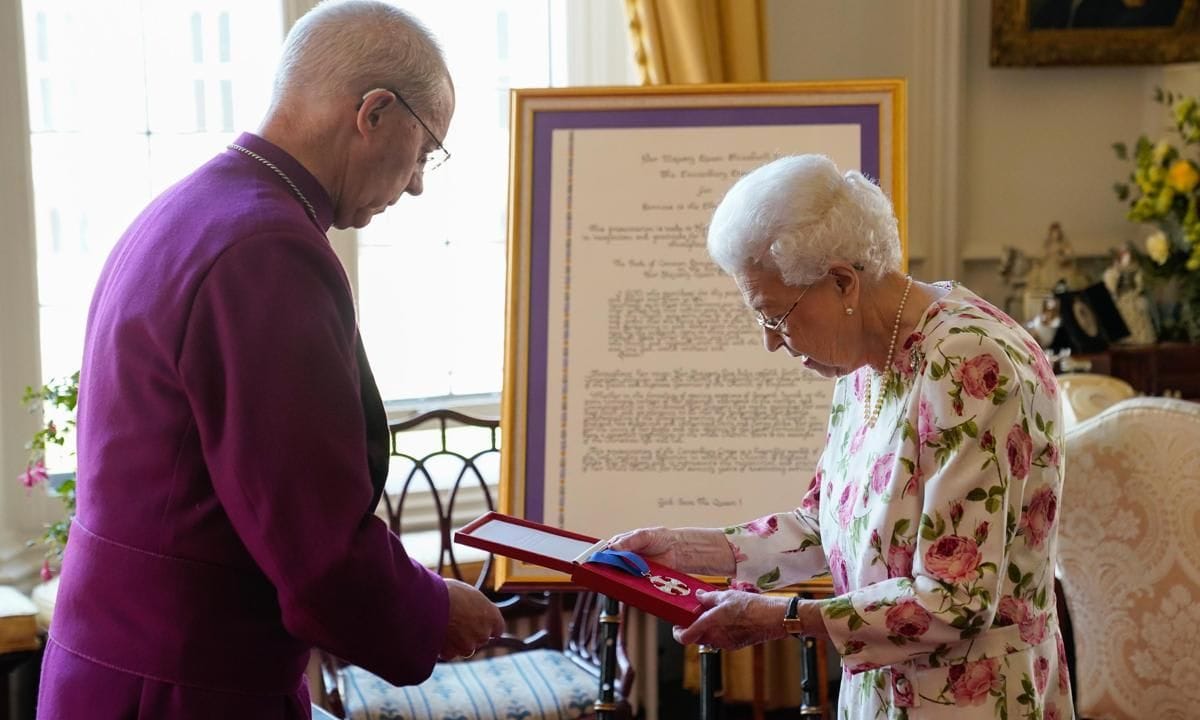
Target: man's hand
{"type": "Point", "coordinates": [703, 551]}
{"type": "Point", "coordinates": [473, 621]}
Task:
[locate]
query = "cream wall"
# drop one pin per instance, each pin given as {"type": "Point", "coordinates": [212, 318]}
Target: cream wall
{"type": "Point", "coordinates": [848, 39]}
{"type": "Point", "coordinates": [1038, 146]}
{"type": "Point", "coordinates": [1030, 145]}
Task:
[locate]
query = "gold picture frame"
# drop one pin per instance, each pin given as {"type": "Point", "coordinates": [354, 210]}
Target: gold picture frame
{"type": "Point", "coordinates": [1053, 32]}
{"type": "Point", "coordinates": [584, 156]}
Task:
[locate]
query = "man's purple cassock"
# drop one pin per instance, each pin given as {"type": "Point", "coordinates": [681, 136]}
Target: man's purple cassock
{"type": "Point", "coordinates": [226, 479]}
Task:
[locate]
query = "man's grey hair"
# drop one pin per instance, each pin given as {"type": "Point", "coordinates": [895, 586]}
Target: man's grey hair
{"type": "Point", "coordinates": [354, 46]}
{"type": "Point", "coordinates": [798, 215]}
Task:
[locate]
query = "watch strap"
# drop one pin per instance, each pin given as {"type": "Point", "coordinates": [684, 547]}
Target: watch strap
{"type": "Point", "coordinates": [791, 620]}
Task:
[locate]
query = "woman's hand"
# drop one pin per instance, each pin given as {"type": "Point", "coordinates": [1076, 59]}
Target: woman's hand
{"type": "Point", "coordinates": [703, 551]}
{"type": "Point", "coordinates": [735, 619]}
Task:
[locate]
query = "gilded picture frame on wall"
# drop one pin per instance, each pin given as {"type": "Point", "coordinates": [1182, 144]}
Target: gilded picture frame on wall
{"type": "Point", "coordinates": [1094, 32]}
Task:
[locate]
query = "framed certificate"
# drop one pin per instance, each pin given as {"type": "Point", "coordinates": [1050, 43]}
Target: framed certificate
{"type": "Point", "coordinates": [637, 391]}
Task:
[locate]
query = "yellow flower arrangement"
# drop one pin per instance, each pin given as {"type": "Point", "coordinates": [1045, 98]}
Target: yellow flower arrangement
{"type": "Point", "coordinates": [1162, 188]}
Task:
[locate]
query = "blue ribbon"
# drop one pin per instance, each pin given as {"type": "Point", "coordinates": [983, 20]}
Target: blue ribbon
{"type": "Point", "coordinates": [622, 560]}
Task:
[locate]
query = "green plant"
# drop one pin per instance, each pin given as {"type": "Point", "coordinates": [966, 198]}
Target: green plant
{"type": "Point", "coordinates": [55, 401]}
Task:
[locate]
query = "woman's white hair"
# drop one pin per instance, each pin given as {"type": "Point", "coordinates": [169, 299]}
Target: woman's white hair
{"type": "Point", "coordinates": [354, 46]}
{"type": "Point", "coordinates": [799, 215]}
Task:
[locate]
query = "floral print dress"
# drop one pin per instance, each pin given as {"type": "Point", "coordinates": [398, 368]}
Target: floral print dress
{"type": "Point", "coordinates": [937, 526]}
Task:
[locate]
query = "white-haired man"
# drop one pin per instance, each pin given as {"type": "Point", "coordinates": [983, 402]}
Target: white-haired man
{"type": "Point", "coordinates": [232, 442]}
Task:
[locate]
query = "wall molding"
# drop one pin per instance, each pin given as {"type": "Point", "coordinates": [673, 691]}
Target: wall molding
{"type": "Point", "coordinates": [939, 30]}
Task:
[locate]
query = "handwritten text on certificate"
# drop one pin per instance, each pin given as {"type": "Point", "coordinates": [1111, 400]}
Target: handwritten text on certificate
{"type": "Point", "coordinates": [670, 409]}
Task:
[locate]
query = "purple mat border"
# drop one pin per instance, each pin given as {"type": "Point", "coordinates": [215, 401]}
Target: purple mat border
{"type": "Point", "coordinates": [866, 116]}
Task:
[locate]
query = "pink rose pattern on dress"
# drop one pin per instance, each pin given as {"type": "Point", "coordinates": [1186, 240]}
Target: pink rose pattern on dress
{"type": "Point", "coordinates": [936, 525]}
{"type": "Point", "coordinates": [881, 473]}
{"type": "Point", "coordinates": [900, 561]}
{"type": "Point", "coordinates": [1051, 456]}
{"type": "Point", "coordinates": [1041, 367]}
{"type": "Point", "coordinates": [764, 526]}
{"type": "Point", "coordinates": [1064, 678]}
{"type": "Point", "coordinates": [992, 310]}
{"type": "Point", "coordinates": [1011, 611]}
{"type": "Point", "coordinates": [908, 619]}
{"type": "Point", "coordinates": [744, 586]}
{"type": "Point", "coordinates": [812, 499]}
{"type": "Point", "coordinates": [979, 376]}
{"type": "Point", "coordinates": [845, 510]}
{"type": "Point", "coordinates": [857, 441]}
{"type": "Point", "coordinates": [1038, 519]}
{"type": "Point", "coordinates": [953, 558]}
{"type": "Point", "coordinates": [1020, 451]}
{"type": "Point", "coordinates": [972, 682]}
{"type": "Point", "coordinates": [926, 428]}
{"type": "Point", "coordinates": [913, 485]}
{"type": "Point", "coordinates": [837, 571]}
{"type": "Point", "coordinates": [1033, 628]}
{"type": "Point", "coordinates": [1041, 674]}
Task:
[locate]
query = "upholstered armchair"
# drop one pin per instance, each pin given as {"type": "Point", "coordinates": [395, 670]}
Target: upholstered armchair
{"type": "Point", "coordinates": [1087, 394]}
{"type": "Point", "coordinates": [443, 474]}
{"type": "Point", "coordinates": [1129, 559]}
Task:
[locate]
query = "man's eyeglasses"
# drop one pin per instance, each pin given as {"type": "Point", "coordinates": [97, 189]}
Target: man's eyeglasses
{"type": "Point", "coordinates": [429, 161]}
{"type": "Point", "coordinates": [776, 325]}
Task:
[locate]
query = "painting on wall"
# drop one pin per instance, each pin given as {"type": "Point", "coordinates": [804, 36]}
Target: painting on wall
{"type": "Point", "coordinates": [1094, 32]}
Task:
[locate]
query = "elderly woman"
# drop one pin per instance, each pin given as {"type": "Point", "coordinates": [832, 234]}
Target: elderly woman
{"type": "Point", "coordinates": [933, 505]}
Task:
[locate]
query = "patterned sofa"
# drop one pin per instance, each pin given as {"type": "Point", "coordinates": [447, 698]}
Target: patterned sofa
{"type": "Point", "coordinates": [1129, 559]}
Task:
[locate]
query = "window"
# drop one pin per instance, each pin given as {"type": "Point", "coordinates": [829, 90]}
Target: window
{"type": "Point", "coordinates": [431, 272]}
{"type": "Point", "coordinates": [125, 98]}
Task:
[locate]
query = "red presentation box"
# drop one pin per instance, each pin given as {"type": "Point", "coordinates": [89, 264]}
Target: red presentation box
{"type": "Point", "coordinates": [667, 593]}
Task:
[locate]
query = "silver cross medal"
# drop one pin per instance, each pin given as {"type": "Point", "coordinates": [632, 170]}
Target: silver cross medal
{"type": "Point", "coordinates": [669, 585]}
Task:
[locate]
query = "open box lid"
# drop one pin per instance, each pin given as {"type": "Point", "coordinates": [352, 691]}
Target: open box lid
{"type": "Point", "coordinates": [663, 592]}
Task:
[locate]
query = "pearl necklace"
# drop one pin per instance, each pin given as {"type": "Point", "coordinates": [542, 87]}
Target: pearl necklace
{"type": "Point", "coordinates": [873, 415]}
{"type": "Point", "coordinates": [307, 205]}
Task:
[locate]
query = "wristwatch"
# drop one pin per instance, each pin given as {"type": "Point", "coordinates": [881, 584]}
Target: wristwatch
{"type": "Point", "coordinates": [792, 624]}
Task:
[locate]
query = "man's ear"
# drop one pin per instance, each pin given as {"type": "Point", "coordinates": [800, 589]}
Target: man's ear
{"type": "Point", "coordinates": [370, 111]}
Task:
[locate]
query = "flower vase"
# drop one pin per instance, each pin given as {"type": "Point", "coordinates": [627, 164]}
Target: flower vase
{"type": "Point", "coordinates": [1167, 307]}
{"type": "Point", "coordinates": [1173, 289]}
{"type": "Point", "coordinates": [1189, 310]}
{"type": "Point", "coordinates": [1176, 309]}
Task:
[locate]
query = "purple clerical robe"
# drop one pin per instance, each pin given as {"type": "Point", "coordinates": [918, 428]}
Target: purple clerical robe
{"type": "Point", "coordinates": [226, 481]}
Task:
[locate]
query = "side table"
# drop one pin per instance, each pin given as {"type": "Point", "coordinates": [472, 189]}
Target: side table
{"type": "Point", "coordinates": [1155, 369]}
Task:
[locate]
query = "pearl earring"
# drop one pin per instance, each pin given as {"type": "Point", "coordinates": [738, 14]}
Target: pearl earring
{"type": "Point", "coordinates": [849, 311]}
